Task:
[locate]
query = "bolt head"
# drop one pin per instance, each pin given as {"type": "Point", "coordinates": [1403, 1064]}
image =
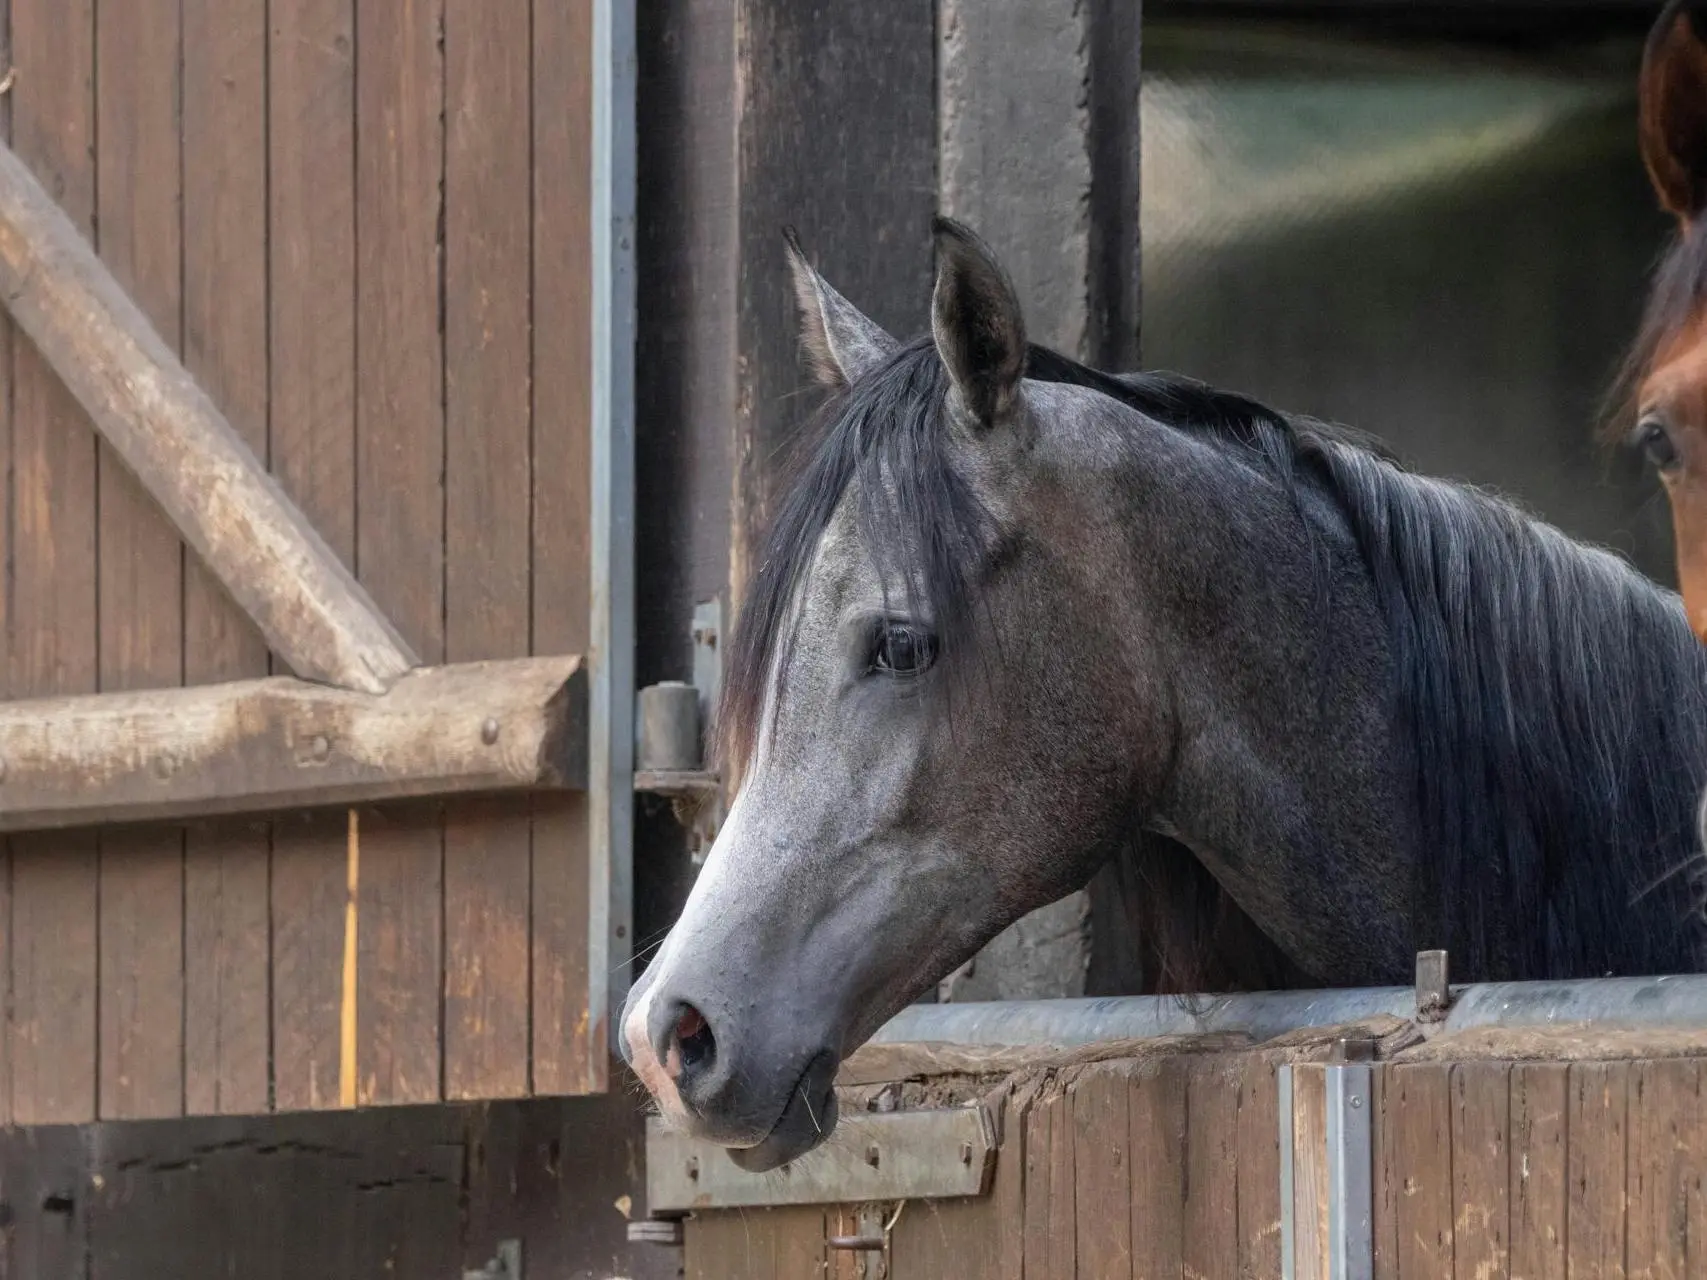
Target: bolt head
{"type": "Point", "coordinates": [489, 731]}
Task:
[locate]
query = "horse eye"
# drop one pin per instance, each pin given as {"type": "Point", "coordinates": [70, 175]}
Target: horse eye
{"type": "Point", "coordinates": [903, 650]}
{"type": "Point", "coordinates": [1654, 440]}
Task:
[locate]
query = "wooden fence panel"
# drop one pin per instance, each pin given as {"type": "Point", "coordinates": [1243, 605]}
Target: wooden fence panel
{"type": "Point", "coordinates": [51, 639]}
{"type": "Point", "coordinates": [1667, 1156]}
{"type": "Point", "coordinates": [400, 529]}
{"type": "Point", "coordinates": [488, 432]}
{"type": "Point", "coordinates": [1595, 1159]}
{"type": "Point", "coordinates": [311, 384]}
{"type": "Point", "coordinates": [139, 181]}
{"type": "Point", "coordinates": [1481, 1169]}
{"type": "Point", "coordinates": [226, 868]}
{"type": "Point", "coordinates": [569, 1055]}
{"type": "Point", "coordinates": [1169, 1167]}
{"type": "Point", "coordinates": [1537, 1170]}
{"type": "Point", "coordinates": [381, 275]}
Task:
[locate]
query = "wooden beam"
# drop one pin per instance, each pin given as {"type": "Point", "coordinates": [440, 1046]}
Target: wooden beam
{"type": "Point", "coordinates": [162, 424]}
{"type": "Point", "coordinates": [254, 746]}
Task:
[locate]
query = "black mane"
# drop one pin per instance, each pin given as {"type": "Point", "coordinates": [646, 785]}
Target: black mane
{"type": "Point", "coordinates": [1556, 700]}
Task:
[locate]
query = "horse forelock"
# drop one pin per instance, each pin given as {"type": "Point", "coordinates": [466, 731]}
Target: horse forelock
{"type": "Point", "coordinates": [1677, 299]}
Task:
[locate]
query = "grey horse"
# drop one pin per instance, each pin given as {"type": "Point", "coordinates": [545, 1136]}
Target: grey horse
{"type": "Point", "coordinates": [1018, 619]}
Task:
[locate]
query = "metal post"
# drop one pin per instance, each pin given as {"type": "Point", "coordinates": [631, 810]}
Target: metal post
{"type": "Point", "coordinates": [1351, 1253]}
{"type": "Point", "coordinates": [610, 756]}
{"type": "Point", "coordinates": [1336, 1159]}
{"type": "Point", "coordinates": [1288, 1231]}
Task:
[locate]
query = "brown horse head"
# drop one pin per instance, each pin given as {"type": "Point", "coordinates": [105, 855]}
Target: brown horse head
{"type": "Point", "coordinates": [1663, 400]}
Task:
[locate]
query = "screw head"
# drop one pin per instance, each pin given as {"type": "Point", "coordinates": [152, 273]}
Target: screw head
{"type": "Point", "coordinates": [489, 731]}
{"type": "Point", "coordinates": [1356, 1102]}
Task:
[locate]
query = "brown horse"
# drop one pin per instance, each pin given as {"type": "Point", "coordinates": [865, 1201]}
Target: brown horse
{"type": "Point", "coordinates": [1661, 405]}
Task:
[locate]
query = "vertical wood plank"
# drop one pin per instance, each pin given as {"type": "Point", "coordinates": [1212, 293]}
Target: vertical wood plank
{"type": "Point", "coordinates": [1481, 1169]}
{"type": "Point", "coordinates": [1211, 1236]}
{"type": "Point", "coordinates": [1595, 1156]}
{"type": "Point", "coordinates": [488, 321]}
{"type": "Point", "coordinates": [1258, 1168]}
{"type": "Point", "coordinates": [971, 1237]}
{"type": "Point", "coordinates": [1040, 1188]}
{"type": "Point", "coordinates": [756, 1244]}
{"type": "Point", "coordinates": [1668, 1158]}
{"type": "Point", "coordinates": [1388, 1177]}
{"type": "Point", "coordinates": [226, 981]}
{"type": "Point", "coordinates": [400, 536]}
{"type": "Point", "coordinates": [7, 622]}
{"type": "Point", "coordinates": [1539, 1099]}
{"type": "Point", "coordinates": [1310, 1171]}
{"type": "Point", "coordinates": [311, 387]}
{"type": "Point", "coordinates": [569, 1055]}
{"type": "Point", "coordinates": [1102, 1137]}
{"type": "Point", "coordinates": [1156, 1112]}
{"type": "Point", "coordinates": [51, 641]}
{"type": "Point", "coordinates": [1063, 1200]}
{"type": "Point", "coordinates": [140, 188]}
{"type": "Point", "coordinates": [1419, 1120]}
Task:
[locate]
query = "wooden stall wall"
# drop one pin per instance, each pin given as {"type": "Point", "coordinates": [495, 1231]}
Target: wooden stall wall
{"type": "Point", "coordinates": [1170, 1166]}
{"type": "Point", "coordinates": [364, 228]}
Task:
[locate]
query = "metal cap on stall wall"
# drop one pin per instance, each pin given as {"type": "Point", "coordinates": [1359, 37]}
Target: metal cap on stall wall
{"type": "Point", "coordinates": [667, 728]}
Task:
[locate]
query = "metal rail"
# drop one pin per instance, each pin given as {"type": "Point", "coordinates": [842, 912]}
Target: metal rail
{"type": "Point", "coordinates": [610, 747]}
{"type": "Point", "coordinates": [1678, 1002]}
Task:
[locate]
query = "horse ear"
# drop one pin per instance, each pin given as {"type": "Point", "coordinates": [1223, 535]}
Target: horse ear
{"type": "Point", "coordinates": [1673, 107]}
{"type": "Point", "coordinates": [840, 341]}
{"type": "Point", "coordinates": [976, 322]}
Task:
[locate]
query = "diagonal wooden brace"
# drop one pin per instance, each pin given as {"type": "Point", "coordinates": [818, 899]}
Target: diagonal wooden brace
{"type": "Point", "coordinates": [145, 404]}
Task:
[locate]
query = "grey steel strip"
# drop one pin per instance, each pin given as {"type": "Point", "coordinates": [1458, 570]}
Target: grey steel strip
{"type": "Point", "coordinates": [1288, 1229]}
{"type": "Point", "coordinates": [1678, 1001]}
{"type": "Point", "coordinates": [610, 747]}
{"type": "Point", "coordinates": [1351, 1253]}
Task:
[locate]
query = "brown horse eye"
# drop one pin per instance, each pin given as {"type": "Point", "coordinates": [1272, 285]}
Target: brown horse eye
{"type": "Point", "coordinates": [903, 650]}
{"type": "Point", "coordinates": [1654, 440]}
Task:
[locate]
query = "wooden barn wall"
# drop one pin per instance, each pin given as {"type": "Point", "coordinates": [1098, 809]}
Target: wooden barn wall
{"type": "Point", "coordinates": [1171, 1167]}
{"type": "Point", "coordinates": [404, 1193]}
{"type": "Point", "coordinates": [364, 227]}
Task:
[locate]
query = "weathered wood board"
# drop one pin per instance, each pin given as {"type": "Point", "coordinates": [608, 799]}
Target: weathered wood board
{"type": "Point", "coordinates": [1166, 1164]}
{"type": "Point", "coordinates": [349, 242]}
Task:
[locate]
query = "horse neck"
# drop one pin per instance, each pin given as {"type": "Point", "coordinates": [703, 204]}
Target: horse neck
{"type": "Point", "coordinates": [1558, 708]}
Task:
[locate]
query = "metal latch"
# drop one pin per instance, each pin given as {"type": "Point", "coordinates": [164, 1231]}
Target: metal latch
{"type": "Point", "coordinates": [869, 1242]}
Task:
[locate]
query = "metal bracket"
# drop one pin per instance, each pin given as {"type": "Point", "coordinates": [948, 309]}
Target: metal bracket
{"type": "Point", "coordinates": [1434, 988]}
{"type": "Point", "coordinates": [670, 737]}
{"type": "Point", "coordinates": [902, 1155]}
{"type": "Point", "coordinates": [505, 1264]}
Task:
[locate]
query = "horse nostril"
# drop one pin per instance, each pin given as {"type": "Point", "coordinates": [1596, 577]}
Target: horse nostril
{"type": "Point", "coordinates": [694, 1039]}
